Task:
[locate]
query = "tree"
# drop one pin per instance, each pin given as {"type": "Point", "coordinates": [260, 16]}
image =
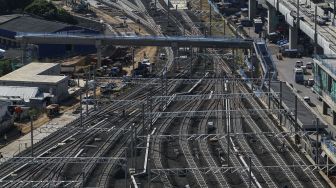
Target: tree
{"type": "Point", "coordinates": [48, 11]}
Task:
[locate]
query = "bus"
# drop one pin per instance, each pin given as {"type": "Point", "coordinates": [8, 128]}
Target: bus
{"type": "Point", "coordinates": [298, 75]}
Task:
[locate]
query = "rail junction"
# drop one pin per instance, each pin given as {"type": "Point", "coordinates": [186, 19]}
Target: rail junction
{"type": "Point", "coordinates": [196, 124]}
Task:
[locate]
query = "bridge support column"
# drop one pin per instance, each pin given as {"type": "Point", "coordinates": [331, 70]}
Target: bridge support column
{"type": "Point", "coordinates": [324, 108]}
{"type": "Point", "coordinates": [252, 4]}
{"type": "Point", "coordinates": [272, 19]}
{"type": "Point", "coordinates": [99, 53]}
{"type": "Point", "coordinates": [293, 37]}
{"type": "Point", "coordinates": [24, 53]}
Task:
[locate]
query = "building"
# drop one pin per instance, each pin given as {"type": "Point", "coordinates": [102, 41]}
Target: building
{"type": "Point", "coordinates": [325, 82]}
{"type": "Point", "coordinates": [44, 76]}
{"type": "Point", "coordinates": [11, 25]}
{"type": "Point", "coordinates": [27, 96]}
{"type": "Point", "coordinates": [6, 120]}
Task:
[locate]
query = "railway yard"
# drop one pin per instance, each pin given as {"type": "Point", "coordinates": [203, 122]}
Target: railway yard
{"type": "Point", "coordinates": [195, 122]}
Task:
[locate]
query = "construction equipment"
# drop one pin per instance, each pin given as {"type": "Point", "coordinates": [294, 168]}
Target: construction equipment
{"type": "Point", "coordinates": [52, 110]}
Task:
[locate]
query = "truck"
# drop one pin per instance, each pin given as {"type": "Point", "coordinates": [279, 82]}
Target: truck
{"type": "Point", "coordinates": [298, 75]}
{"type": "Point", "coordinates": [258, 24]}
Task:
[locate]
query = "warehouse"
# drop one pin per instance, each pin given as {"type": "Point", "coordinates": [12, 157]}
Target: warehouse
{"type": "Point", "coordinates": [26, 96]}
{"type": "Point", "coordinates": [11, 25]}
{"type": "Point", "coordinates": [325, 82]}
{"type": "Point", "coordinates": [45, 76]}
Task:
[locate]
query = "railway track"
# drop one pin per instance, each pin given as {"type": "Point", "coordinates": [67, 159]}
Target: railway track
{"type": "Point", "coordinates": [295, 157]}
{"type": "Point", "coordinates": [205, 150]}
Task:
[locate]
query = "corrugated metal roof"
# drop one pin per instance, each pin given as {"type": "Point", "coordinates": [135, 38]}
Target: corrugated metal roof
{"type": "Point", "coordinates": [24, 93]}
{"type": "Point", "coordinates": [26, 23]}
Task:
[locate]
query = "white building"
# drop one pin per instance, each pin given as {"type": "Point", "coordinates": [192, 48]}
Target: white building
{"type": "Point", "coordinates": [44, 76]}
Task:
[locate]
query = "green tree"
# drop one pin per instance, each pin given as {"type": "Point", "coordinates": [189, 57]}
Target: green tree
{"type": "Point", "coordinates": [48, 11]}
{"type": "Point", "coordinates": [5, 67]}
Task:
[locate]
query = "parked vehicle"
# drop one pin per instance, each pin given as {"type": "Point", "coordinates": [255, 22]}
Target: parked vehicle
{"type": "Point", "coordinates": [310, 82]}
{"type": "Point", "coordinates": [273, 37]}
{"type": "Point", "coordinates": [88, 100]}
{"type": "Point", "coordinates": [162, 56]}
{"type": "Point", "coordinates": [52, 110]}
{"type": "Point", "coordinates": [298, 64]}
{"type": "Point", "coordinates": [309, 65]}
{"type": "Point", "coordinates": [293, 53]}
{"type": "Point", "coordinates": [298, 75]}
{"type": "Point", "coordinates": [257, 25]}
{"type": "Point", "coordinates": [245, 22]}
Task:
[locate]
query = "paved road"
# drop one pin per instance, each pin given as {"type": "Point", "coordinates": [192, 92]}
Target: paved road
{"type": "Point", "coordinates": [285, 73]}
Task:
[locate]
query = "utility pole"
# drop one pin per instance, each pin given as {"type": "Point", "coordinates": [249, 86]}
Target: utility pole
{"type": "Point", "coordinates": [143, 118]}
{"type": "Point", "coordinates": [87, 94]}
{"type": "Point", "coordinates": [250, 172]}
{"type": "Point", "coordinates": [298, 14]}
{"type": "Point", "coordinates": [94, 89]}
{"type": "Point", "coordinates": [280, 104]}
{"type": "Point", "coordinates": [334, 12]}
{"type": "Point", "coordinates": [269, 89]}
{"type": "Point", "coordinates": [32, 136]}
{"type": "Point", "coordinates": [81, 109]}
{"type": "Point", "coordinates": [295, 114]}
{"type": "Point", "coordinates": [133, 56]}
{"type": "Point", "coordinates": [168, 12]}
{"type": "Point", "coordinates": [210, 16]}
{"type": "Point", "coordinates": [132, 146]}
{"type": "Point", "coordinates": [126, 168]}
{"type": "Point", "coordinates": [317, 141]}
{"type": "Point", "coordinates": [315, 30]}
{"type": "Point", "coordinates": [224, 25]}
{"type": "Point", "coordinates": [191, 59]}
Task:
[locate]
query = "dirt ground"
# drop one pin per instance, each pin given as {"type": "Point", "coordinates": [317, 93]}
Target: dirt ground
{"type": "Point", "coordinates": [112, 20]}
{"type": "Point", "coordinates": [217, 21]}
{"type": "Point", "coordinates": [150, 52]}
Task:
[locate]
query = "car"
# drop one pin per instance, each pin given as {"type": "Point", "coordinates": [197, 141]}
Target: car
{"type": "Point", "coordinates": [298, 64]}
{"type": "Point", "coordinates": [88, 100]}
{"type": "Point", "coordinates": [309, 65]}
{"type": "Point", "coordinates": [307, 99]}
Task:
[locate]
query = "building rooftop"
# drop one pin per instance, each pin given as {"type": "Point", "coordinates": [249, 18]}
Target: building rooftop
{"type": "Point", "coordinates": [24, 93]}
{"type": "Point", "coordinates": [33, 72]}
{"type": "Point", "coordinates": [27, 23]}
{"type": "Point", "coordinates": [6, 18]}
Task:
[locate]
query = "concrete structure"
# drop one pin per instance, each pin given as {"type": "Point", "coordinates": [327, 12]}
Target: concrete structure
{"type": "Point", "coordinates": [325, 82]}
{"type": "Point", "coordinates": [252, 4]}
{"type": "Point", "coordinates": [272, 15]}
{"type": "Point", "coordinates": [293, 37]}
{"type": "Point", "coordinates": [163, 41]}
{"type": "Point", "coordinates": [44, 76]}
{"type": "Point", "coordinates": [325, 34]}
{"type": "Point", "coordinates": [11, 25]}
